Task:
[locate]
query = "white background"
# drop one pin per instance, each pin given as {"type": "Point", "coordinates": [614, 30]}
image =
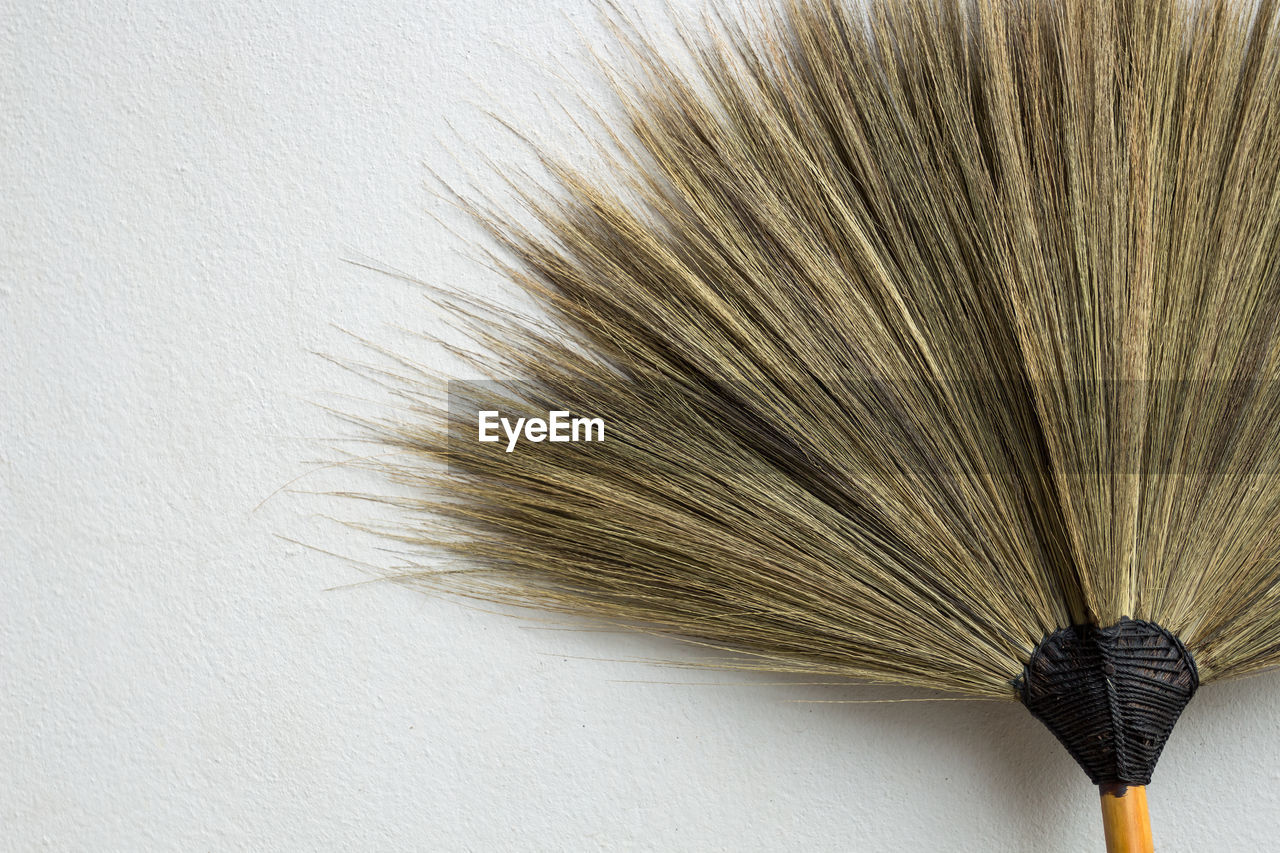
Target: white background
{"type": "Point", "coordinates": [181, 185]}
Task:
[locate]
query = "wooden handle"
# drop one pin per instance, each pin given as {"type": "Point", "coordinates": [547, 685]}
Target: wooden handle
{"type": "Point", "coordinates": [1125, 820]}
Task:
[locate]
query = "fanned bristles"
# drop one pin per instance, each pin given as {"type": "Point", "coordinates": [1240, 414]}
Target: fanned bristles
{"type": "Point", "coordinates": [917, 335]}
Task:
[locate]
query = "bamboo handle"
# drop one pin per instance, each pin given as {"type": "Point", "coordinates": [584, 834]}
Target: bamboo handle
{"type": "Point", "coordinates": [1125, 820]}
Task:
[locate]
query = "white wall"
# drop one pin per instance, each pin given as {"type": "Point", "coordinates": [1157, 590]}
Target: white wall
{"type": "Point", "coordinates": [180, 185]}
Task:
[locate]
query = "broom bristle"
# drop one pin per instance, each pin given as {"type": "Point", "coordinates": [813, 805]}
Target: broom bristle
{"type": "Point", "coordinates": [917, 334]}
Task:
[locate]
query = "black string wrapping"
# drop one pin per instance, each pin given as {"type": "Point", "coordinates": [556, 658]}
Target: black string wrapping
{"type": "Point", "coordinates": [1110, 695]}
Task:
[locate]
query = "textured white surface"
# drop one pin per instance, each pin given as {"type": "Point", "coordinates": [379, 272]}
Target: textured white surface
{"type": "Point", "coordinates": [180, 185]}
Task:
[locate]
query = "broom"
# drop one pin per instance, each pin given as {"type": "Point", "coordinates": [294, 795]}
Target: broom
{"type": "Point", "coordinates": [930, 344]}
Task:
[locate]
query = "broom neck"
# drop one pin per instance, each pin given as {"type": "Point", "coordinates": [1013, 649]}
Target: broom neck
{"type": "Point", "coordinates": [1125, 820]}
{"type": "Point", "coordinates": [1110, 695]}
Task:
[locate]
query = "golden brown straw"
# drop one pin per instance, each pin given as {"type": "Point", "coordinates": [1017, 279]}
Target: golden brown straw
{"type": "Point", "coordinates": [919, 334]}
